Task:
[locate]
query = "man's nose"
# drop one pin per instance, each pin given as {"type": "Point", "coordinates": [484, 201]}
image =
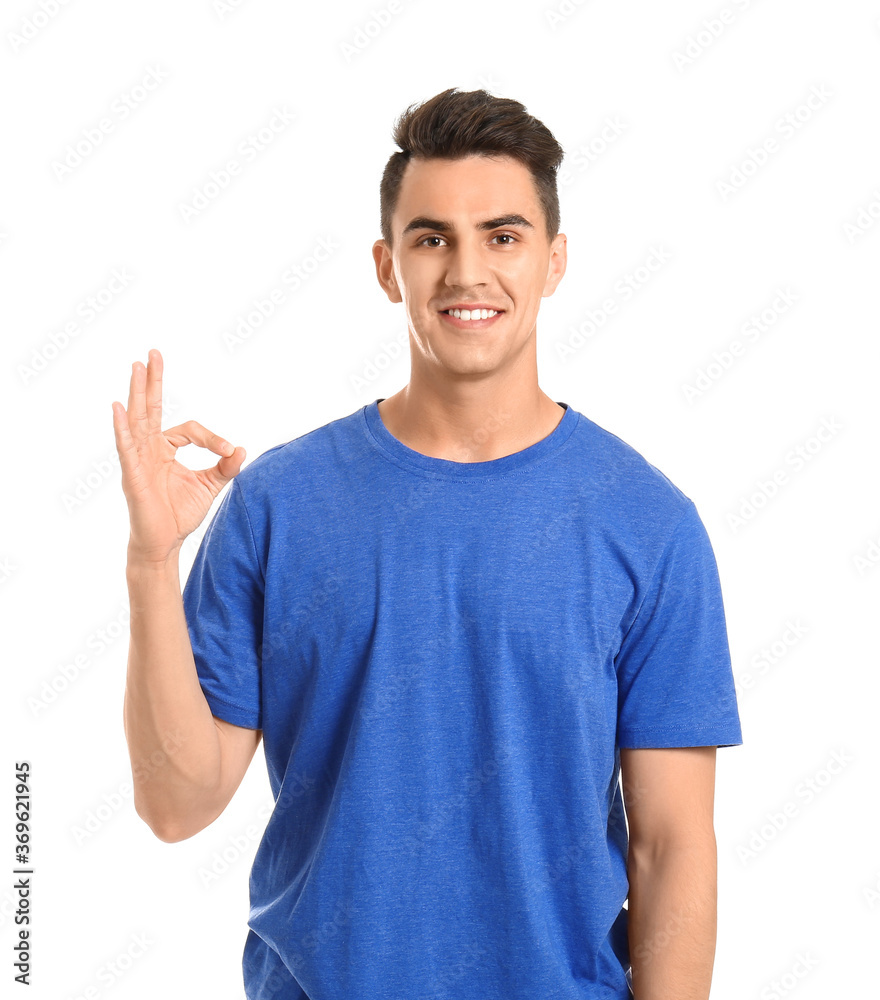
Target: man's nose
{"type": "Point", "coordinates": [467, 265]}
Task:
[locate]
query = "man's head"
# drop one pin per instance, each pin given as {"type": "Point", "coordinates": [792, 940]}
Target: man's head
{"type": "Point", "coordinates": [470, 216]}
{"type": "Point", "coordinates": [455, 124]}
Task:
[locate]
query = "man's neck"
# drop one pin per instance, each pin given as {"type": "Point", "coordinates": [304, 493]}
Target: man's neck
{"type": "Point", "coordinates": [469, 427]}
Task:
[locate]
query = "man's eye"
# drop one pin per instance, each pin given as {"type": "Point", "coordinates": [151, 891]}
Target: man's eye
{"type": "Point", "coordinates": [500, 236]}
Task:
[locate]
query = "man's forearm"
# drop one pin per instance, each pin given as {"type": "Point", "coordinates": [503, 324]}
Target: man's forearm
{"type": "Point", "coordinates": [672, 920]}
{"type": "Point", "coordinates": [173, 742]}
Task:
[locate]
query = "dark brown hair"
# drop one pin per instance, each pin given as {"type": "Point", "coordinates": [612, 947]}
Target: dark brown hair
{"type": "Point", "coordinates": [455, 124]}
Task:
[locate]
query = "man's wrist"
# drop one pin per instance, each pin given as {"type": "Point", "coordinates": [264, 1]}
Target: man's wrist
{"type": "Point", "coordinates": [139, 565]}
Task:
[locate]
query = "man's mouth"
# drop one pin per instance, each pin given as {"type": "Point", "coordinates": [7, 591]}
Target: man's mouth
{"type": "Point", "coordinates": [471, 317]}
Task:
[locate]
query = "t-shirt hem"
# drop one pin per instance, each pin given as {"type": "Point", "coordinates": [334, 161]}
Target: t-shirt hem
{"type": "Point", "coordinates": [644, 739]}
{"type": "Point", "coordinates": [232, 713]}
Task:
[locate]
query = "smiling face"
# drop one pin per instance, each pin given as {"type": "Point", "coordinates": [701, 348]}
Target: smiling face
{"type": "Point", "coordinates": [469, 232]}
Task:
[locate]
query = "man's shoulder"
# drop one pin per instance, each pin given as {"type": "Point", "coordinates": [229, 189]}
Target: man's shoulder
{"type": "Point", "coordinates": [311, 453]}
{"type": "Point", "coordinates": [619, 476]}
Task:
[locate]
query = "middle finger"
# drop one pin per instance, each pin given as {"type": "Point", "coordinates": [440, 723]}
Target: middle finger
{"type": "Point", "coordinates": [137, 409]}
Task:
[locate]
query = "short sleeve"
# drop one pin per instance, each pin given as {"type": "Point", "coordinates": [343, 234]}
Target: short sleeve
{"type": "Point", "coordinates": [675, 682]}
{"type": "Point", "coordinates": [223, 605]}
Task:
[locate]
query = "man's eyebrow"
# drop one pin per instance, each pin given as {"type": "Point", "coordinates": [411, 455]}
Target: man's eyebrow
{"type": "Point", "coordinates": [421, 222]}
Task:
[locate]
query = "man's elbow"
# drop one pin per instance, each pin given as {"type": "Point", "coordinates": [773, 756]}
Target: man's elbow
{"type": "Point", "coordinates": [172, 835]}
{"type": "Point", "coordinates": [684, 843]}
{"type": "Point", "coordinates": [167, 829]}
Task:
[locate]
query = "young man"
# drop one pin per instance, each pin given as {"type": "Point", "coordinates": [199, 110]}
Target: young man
{"type": "Point", "coordinates": [457, 617]}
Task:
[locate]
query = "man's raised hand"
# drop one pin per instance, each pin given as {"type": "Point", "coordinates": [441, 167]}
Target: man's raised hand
{"type": "Point", "coordinates": [166, 500]}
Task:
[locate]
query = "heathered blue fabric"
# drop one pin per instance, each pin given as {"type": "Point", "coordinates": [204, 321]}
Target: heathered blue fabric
{"type": "Point", "coordinates": [445, 659]}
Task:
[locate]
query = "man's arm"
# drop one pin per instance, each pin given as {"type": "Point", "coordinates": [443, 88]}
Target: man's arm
{"type": "Point", "coordinates": [186, 763]}
{"type": "Point", "coordinates": [672, 869]}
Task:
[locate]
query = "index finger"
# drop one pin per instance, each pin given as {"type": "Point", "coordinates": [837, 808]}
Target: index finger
{"type": "Point", "coordinates": [192, 432]}
{"type": "Point", "coordinates": [155, 368]}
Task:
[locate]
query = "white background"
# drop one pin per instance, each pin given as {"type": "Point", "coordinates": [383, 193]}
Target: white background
{"type": "Point", "coordinates": [806, 887]}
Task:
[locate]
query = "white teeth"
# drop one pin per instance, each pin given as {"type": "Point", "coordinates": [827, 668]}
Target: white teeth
{"type": "Point", "coordinates": [472, 314]}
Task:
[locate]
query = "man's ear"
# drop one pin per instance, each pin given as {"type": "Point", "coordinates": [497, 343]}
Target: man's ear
{"type": "Point", "coordinates": [557, 265]}
{"type": "Point", "coordinates": [385, 271]}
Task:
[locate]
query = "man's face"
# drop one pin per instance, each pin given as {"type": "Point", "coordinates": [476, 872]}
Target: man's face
{"type": "Point", "coordinates": [469, 231]}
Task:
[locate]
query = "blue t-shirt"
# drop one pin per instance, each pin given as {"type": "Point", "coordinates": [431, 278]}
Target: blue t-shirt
{"type": "Point", "coordinates": [445, 659]}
